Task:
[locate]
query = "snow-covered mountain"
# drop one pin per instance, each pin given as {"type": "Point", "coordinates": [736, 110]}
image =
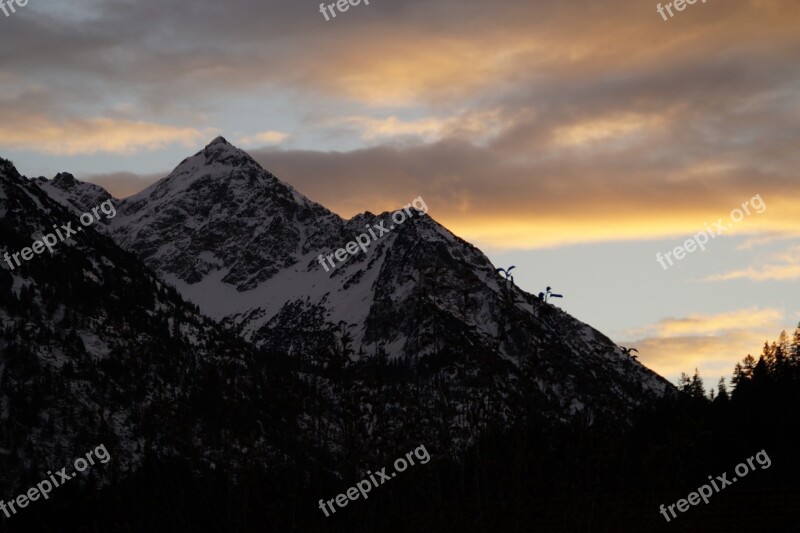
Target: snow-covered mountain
{"type": "Point", "coordinates": [94, 348]}
{"type": "Point", "coordinates": [243, 246]}
{"type": "Point", "coordinates": [220, 216]}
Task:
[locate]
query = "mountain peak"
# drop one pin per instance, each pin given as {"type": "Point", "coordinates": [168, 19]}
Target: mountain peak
{"type": "Point", "coordinates": [221, 151]}
{"type": "Point", "coordinates": [73, 193]}
{"type": "Point", "coordinates": [238, 218]}
{"type": "Point", "coordinates": [64, 180]}
{"type": "Point", "coordinates": [7, 167]}
{"type": "Point", "coordinates": [218, 140]}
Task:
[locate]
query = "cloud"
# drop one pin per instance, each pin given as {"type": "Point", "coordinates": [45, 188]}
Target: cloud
{"type": "Point", "coordinates": [711, 356]}
{"type": "Point", "coordinates": [618, 127]}
{"type": "Point", "coordinates": [527, 125]}
{"type": "Point", "coordinates": [763, 239]}
{"type": "Point", "coordinates": [786, 267]}
{"type": "Point", "coordinates": [519, 203]}
{"type": "Point", "coordinates": [76, 136]}
{"type": "Point", "coordinates": [262, 139]}
{"type": "Point", "coordinates": [374, 128]}
{"type": "Point", "coordinates": [764, 273]}
{"type": "Point", "coordinates": [500, 202]}
{"type": "Point", "coordinates": [711, 343]}
{"type": "Point", "coordinates": [420, 53]}
{"type": "Point", "coordinates": [477, 126]}
{"type": "Point", "coordinates": [746, 319]}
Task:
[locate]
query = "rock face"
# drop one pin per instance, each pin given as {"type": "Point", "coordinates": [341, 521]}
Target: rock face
{"type": "Point", "coordinates": [72, 193]}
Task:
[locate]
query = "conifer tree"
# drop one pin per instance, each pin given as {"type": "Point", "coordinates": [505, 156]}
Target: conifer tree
{"type": "Point", "coordinates": [783, 342]}
{"type": "Point", "coordinates": [748, 366]}
{"type": "Point", "coordinates": [781, 353]}
{"type": "Point", "coordinates": [697, 389]}
{"type": "Point", "coordinates": [795, 350]}
{"type": "Point", "coordinates": [768, 354]}
{"type": "Point", "coordinates": [684, 383]}
{"type": "Point", "coordinates": [722, 391]}
{"type": "Point", "coordinates": [761, 373]}
{"type": "Point", "coordinates": [739, 376]}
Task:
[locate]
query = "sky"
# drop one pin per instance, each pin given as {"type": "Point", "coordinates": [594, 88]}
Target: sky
{"type": "Point", "coordinates": [574, 140]}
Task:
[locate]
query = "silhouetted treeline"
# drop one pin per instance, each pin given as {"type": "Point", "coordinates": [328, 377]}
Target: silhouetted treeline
{"type": "Point", "coordinates": [585, 475]}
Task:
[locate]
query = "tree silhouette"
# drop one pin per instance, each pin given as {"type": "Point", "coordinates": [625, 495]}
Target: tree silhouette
{"type": "Point", "coordinates": [722, 391]}
{"type": "Point", "coordinates": [506, 319]}
{"type": "Point", "coordinates": [507, 273]}
{"type": "Point", "coordinates": [794, 353]}
{"type": "Point", "coordinates": [693, 386]}
{"type": "Point", "coordinates": [544, 296]}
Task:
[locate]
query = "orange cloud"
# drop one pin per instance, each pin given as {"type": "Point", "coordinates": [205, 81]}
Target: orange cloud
{"type": "Point", "coordinates": [622, 218]}
{"type": "Point", "coordinates": [404, 69]}
{"type": "Point", "coordinates": [475, 125]}
{"type": "Point", "coordinates": [95, 135]}
{"type": "Point", "coordinates": [712, 356]}
{"type": "Point", "coordinates": [373, 128]}
{"type": "Point", "coordinates": [262, 139]}
{"type": "Point", "coordinates": [618, 127]}
{"type": "Point", "coordinates": [711, 343]}
{"type": "Point", "coordinates": [698, 324]}
{"type": "Point", "coordinates": [405, 60]}
{"type": "Point", "coordinates": [499, 203]}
